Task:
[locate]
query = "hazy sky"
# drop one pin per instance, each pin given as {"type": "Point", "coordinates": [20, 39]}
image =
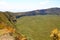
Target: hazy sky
{"type": "Point", "coordinates": [27, 5]}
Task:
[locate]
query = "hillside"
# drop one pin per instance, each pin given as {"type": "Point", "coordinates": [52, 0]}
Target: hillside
{"type": "Point", "coordinates": [8, 28]}
{"type": "Point", "coordinates": [49, 11]}
{"type": "Point", "coordinates": [38, 27]}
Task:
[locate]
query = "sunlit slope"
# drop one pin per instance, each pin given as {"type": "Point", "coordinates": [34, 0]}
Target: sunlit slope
{"type": "Point", "coordinates": [38, 27]}
{"type": "Point", "coordinates": [5, 24]}
{"type": "Point", "coordinates": [4, 18]}
{"type": "Point", "coordinates": [8, 28]}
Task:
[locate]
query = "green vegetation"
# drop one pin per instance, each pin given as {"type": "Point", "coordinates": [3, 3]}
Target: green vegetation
{"type": "Point", "coordinates": [38, 27]}
{"type": "Point", "coordinates": [4, 19]}
{"type": "Point", "coordinates": [7, 18]}
{"type": "Point", "coordinates": [7, 26]}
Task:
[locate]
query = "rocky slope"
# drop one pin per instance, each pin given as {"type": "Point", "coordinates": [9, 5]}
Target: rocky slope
{"type": "Point", "coordinates": [7, 28]}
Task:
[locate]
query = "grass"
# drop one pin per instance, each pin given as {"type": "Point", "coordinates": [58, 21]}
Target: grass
{"type": "Point", "coordinates": [4, 23]}
{"type": "Point", "coordinates": [38, 27]}
{"type": "Point", "coordinates": [4, 19]}
{"type": "Point", "coordinates": [7, 26]}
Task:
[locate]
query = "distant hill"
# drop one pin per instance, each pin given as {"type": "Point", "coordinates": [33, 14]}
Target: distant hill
{"type": "Point", "coordinates": [49, 11]}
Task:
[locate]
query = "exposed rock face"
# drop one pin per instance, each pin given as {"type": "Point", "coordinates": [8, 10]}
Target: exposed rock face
{"type": "Point", "coordinates": [6, 37]}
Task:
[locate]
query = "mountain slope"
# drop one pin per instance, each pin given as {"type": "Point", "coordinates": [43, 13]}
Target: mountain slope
{"type": "Point", "coordinates": [7, 26]}
{"type": "Point", "coordinates": [49, 11]}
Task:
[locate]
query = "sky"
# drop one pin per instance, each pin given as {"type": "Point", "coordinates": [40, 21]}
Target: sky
{"type": "Point", "coordinates": [27, 5]}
